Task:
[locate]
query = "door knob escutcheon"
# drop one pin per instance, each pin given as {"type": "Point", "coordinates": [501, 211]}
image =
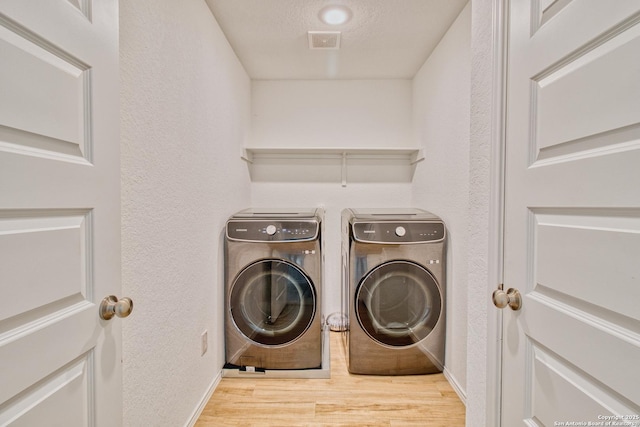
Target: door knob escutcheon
{"type": "Point", "coordinates": [112, 306]}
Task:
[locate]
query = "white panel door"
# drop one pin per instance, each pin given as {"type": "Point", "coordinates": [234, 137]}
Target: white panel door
{"type": "Point", "coordinates": [60, 364]}
{"type": "Point", "coordinates": [572, 213]}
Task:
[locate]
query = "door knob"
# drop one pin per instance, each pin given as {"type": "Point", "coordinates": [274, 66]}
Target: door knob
{"type": "Point", "coordinates": [511, 298]}
{"type": "Point", "coordinates": [112, 306]}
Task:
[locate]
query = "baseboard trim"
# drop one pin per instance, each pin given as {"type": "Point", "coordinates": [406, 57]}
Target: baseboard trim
{"type": "Point", "coordinates": [456, 386]}
{"type": "Point", "coordinates": [205, 399]}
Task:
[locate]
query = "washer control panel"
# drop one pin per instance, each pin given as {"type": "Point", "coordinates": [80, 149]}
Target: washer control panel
{"type": "Point", "coordinates": [272, 230]}
{"type": "Point", "coordinates": [399, 232]}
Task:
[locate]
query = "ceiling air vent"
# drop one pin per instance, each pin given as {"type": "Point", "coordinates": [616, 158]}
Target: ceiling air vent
{"type": "Point", "coordinates": [324, 39]}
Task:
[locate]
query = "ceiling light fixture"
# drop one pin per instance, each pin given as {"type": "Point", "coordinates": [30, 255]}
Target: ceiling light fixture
{"type": "Point", "coordinates": [335, 15]}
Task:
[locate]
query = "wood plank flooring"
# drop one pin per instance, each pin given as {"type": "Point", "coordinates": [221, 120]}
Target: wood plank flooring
{"type": "Point", "coordinates": [343, 400]}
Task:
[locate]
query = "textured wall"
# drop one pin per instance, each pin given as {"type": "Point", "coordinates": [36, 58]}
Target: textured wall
{"type": "Point", "coordinates": [441, 109]}
{"type": "Point", "coordinates": [331, 113]}
{"type": "Point", "coordinates": [480, 403]}
{"type": "Point", "coordinates": [185, 108]}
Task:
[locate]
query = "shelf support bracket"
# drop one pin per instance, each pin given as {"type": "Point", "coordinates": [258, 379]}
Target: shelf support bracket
{"type": "Point", "coordinates": [344, 169]}
{"type": "Point", "coordinates": [418, 158]}
{"type": "Point", "coordinates": [246, 157]}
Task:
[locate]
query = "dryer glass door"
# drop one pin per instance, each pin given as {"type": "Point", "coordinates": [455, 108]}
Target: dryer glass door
{"type": "Point", "coordinates": [398, 303]}
{"type": "Point", "coordinates": [272, 302]}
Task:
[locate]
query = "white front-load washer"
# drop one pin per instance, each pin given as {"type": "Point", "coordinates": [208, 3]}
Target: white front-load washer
{"type": "Point", "coordinates": [394, 291]}
{"type": "Point", "coordinates": [273, 289]}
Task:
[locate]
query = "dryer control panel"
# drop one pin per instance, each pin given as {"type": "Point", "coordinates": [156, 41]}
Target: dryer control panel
{"type": "Point", "coordinates": [272, 231]}
{"type": "Point", "coordinates": [399, 232]}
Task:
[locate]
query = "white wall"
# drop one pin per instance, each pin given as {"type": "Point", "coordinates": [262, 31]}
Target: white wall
{"type": "Point", "coordinates": [441, 110]}
{"type": "Point", "coordinates": [331, 113]}
{"type": "Point", "coordinates": [185, 110]}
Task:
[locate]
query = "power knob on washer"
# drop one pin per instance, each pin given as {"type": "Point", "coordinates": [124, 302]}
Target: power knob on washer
{"type": "Point", "coordinates": [400, 231]}
{"type": "Point", "coordinates": [271, 230]}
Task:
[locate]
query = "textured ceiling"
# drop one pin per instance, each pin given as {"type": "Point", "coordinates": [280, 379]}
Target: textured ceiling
{"type": "Point", "coordinates": [383, 39]}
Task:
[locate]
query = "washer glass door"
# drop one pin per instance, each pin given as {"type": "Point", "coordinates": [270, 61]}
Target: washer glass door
{"type": "Point", "coordinates": [398, 303]}
{"type": "Point", "coordinates": [272, 302]}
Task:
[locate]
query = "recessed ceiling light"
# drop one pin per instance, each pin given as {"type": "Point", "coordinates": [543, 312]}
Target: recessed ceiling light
{"type": "Point", "coordinates": [335, 15]}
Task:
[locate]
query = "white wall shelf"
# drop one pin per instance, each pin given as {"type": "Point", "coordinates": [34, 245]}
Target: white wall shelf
{"type": "Point", "coordinates": [340, 165]}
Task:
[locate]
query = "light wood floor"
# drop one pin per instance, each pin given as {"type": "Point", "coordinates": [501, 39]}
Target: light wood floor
{"type": "Point", "coordinates": [343, 400]}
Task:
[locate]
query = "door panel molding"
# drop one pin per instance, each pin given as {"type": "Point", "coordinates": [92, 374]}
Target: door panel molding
{"type": "Point", "coordinates": [51, 395]}
{"type": "Point", "coordinates": [47, 118]}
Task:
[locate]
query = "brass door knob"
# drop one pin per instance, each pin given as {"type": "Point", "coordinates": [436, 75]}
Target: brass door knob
{"type": "Point", "coordinates": [511, 298]}
{"type": "Point", "coordinates": [112, 306]}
